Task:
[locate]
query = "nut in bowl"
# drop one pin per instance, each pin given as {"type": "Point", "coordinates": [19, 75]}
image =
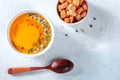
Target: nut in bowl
{"type": "Point", "coordinates": [31, 33]}
{"type": "Point", "coordinates": [72, 11]}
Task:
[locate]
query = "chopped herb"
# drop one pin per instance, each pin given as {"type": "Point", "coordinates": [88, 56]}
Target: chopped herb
{"type": "Point", "coordinates": [37, 16]}
{"type": "Point", "coordinates": [91, 25]}
{"type": "Point", "coordinates": [94, 18]}
{"type": "Point", "coordinates": [30, 50]}
{"type": "Point", "coordinates": [48, 32]}
{"type": "Point", "coordinates": [66, 34]}
{"type": "Point", "coordinates": [41, 19]}
{"type": "Point", "coordinates": [48, 38]}
{"type": "Point", "coordinates": [39, 41]}
{"type": "Point", "coordinates": [45, 25]}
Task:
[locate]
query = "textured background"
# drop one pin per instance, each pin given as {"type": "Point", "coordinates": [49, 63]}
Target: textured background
{"type": "Point", "coordinates": [95, 52]}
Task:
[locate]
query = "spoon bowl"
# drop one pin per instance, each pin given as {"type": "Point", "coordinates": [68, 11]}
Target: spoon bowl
{"type": "Point", "coordinates": [65, 66]}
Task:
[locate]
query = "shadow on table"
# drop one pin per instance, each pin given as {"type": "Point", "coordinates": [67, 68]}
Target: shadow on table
{"type": "Point", "coordinates": [103, 21]}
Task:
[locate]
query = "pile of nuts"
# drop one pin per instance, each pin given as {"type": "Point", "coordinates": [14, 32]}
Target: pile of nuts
{"type": "Point", "coordinates": [72, 11]}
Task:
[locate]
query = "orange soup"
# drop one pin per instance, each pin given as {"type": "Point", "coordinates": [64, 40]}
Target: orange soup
{"type": "Point", "coordinates": [30, 33]}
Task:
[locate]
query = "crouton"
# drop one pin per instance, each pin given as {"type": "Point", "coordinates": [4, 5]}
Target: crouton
{"type": "Point", "coordinates": [67, 20]}
{"type": "Point", "coordinates": [70, 1]}
{"type": "Point", "coordinates": [76, 2]}
{"type": "Point", "coordinates": [71, 7]}
{"type": "Point", "coordinates": [79, 10]}
{"type": "Point", "coordinates": [84, 5]}
{"type": "Point", "coordinates": [71, 13]}
{"type": "Point", "coordinates": [62, 1]}
{"type": "Point", "coordinates": [59, 8]}
{"type": "Point", "coordinates": [64, 5]}
{"type": "Point", "coordinates": [63, 14]}
{"type": "Point", "coordinates": [83, 14]}
{"type": "Point", "coordinates": [78, 17]}
{"type": "Point", "coordinates": [81, 1]}
{"type": "Point", "coordinates": [71, 19]}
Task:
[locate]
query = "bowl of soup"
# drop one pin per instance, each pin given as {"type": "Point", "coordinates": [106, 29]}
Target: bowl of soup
{"type": "Point", "coordinates": [30, 33]}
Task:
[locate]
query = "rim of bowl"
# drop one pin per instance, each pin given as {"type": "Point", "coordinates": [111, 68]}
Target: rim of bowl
{"type": "Point", "coordinates": [72, 24]}
{"type": "Point", "coordinates": [39, 13]}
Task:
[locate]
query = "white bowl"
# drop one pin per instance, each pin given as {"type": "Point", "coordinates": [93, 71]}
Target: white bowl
{"type": "Point", "coordinates": [72, 24]}
{"type": "Point", "coordinates": [39, 53]}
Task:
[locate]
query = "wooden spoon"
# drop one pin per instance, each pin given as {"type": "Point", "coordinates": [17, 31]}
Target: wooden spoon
{"type": "Point", "coordinates": [58, 66]}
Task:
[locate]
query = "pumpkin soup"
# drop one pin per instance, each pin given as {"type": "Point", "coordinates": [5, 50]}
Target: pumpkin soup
{"type": "Point", "coordinates": [30, 33]}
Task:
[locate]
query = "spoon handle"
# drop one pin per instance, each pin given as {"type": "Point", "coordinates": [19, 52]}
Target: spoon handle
{"type": "Point", "coordinates": [16, 70]}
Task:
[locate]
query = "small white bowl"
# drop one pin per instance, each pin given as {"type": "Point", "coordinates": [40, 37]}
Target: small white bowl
{"type": "Point", "coordinates": [39, 53]}
{"type": "Point", "coordinates": [72, 24]}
